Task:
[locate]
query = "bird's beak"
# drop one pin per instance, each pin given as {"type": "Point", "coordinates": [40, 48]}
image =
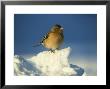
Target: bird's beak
{"type": "Point", "coordinates": [61, 28]}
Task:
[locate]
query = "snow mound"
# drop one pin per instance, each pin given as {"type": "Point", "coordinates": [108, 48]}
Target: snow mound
{"type": "Point", "coordinates": [24, 67]}
{"type": "Point", "coordinates": [47, 63]}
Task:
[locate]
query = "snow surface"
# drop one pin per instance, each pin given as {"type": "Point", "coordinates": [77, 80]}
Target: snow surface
{"type": "Point", "coordinates": [47, 63]}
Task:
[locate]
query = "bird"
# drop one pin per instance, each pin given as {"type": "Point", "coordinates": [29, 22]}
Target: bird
{"type": "Point", "coordinates": [53, 39]}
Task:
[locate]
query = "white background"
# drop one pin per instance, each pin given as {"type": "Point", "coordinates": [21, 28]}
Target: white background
{"type": "Point", "coordinates": [100, 10]}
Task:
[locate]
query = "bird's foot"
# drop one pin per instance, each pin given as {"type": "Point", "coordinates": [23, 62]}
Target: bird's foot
{"type": "Point", "coordinates": [52, 51]}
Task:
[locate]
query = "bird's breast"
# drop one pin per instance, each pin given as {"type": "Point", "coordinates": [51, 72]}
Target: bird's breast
{"type": "Point", "coordinates": [53, 41]}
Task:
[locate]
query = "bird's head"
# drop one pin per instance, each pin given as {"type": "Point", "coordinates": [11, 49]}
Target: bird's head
{"type": "Point", "coordinates": [57, 28]}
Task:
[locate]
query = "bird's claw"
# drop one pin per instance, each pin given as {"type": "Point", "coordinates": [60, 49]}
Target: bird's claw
{"type": "Point", "coordinates": [52, 51]}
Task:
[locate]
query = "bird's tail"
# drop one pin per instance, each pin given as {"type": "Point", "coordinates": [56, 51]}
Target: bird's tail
{"type": "Point", "coordinates": [38, 44]}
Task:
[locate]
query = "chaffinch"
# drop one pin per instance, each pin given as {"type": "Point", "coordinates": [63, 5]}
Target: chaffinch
{"type": "Point", "coordinates": [54, 38]}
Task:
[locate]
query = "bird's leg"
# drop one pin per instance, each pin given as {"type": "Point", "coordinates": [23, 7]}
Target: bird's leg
{"type": "Point", "coordinates": [57, 48]}
{"type": "Point", "coordinates": [52, 51]}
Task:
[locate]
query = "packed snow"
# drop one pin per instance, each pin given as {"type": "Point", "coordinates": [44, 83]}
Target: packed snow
{"type": "Point", "coordinates": [47, 63]}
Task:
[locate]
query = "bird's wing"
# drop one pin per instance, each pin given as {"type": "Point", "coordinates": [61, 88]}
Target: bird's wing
{"type": "Point", "coordinates": [42, 40]}
{"type": "Point", "coordinates": [45, 37]}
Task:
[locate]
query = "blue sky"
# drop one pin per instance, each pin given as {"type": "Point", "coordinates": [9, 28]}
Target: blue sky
{"type": "Point", "coordinates": [80, 32]}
